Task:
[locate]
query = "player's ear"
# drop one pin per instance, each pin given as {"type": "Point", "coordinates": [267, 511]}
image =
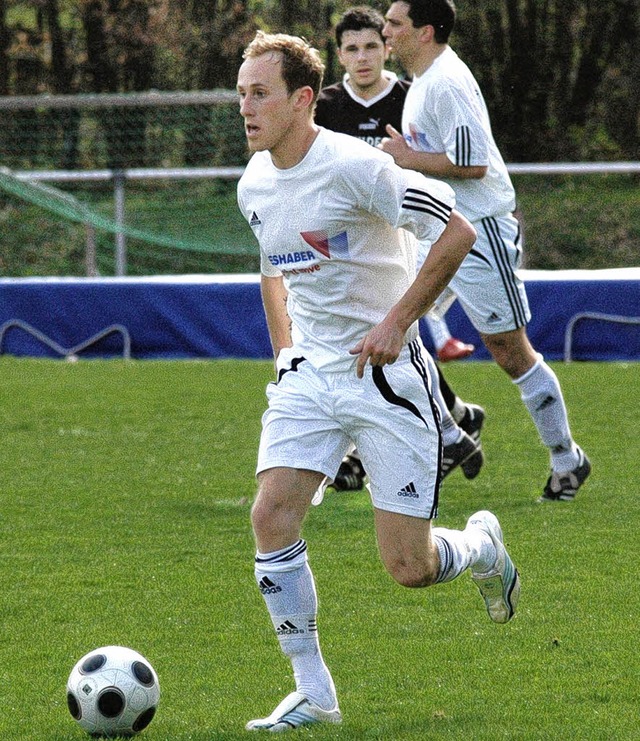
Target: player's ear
{"type": "Point", "coordinates": [426, 33]}
{"type": "Point", "coordinates": [303, 97]}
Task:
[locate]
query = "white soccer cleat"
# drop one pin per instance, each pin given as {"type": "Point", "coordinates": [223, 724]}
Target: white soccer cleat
{"type": "Point", "coordinates": [294, 711]}
{"type": "Point", "coordinates": [500, 586]}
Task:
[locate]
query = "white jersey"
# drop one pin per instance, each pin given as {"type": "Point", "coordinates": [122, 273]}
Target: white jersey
{"type": "Point", "coordinates": [334, 227]}
{"type": "Point", "coordinates": [445, 112]}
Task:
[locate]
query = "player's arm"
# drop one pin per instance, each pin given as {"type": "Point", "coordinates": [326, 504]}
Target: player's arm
{"type": "Point", "coordinates": [274, 300]}
{"type": "Point", "coordinates": [384, 342]}
{"type": "Point", "coordinates": [443, 260]}
{"type": "Point", "coordinates": [434, 164]}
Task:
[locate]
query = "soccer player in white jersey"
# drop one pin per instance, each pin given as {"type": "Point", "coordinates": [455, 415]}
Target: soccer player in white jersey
{"type": "Point", "coordinates": [367, 99]}
{"type": "Point", "coordinates": [447, 134]}
{"type": "Point", "coordinates": [342, 300]}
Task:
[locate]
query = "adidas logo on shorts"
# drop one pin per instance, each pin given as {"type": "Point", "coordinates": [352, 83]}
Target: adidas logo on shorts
{"type": "Point", "coordinates": [409, 491]}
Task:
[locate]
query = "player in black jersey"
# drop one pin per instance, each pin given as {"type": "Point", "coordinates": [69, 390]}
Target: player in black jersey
{"type": "Point", "coordinates": [368, 98]}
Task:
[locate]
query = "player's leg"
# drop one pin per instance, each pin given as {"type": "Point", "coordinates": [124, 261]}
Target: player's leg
{"type": "Point", "coordinates": [287, 585]}
{"type": "Point", "coordinates": [461, 427]}
{"type": "Point", "coordinates": [494, 298]}
{"type": "Point", "coordinates": [299, 446]}
{"type": "Point", "coordinates": [397, 429]}
{"type": "Point", "coordinates": [418, 555]}
{"type": "Point", "coordinates": [470, 417]}
{"type": "Point", "coordinates": [542, 395]}
{"type": "Point", "coordinates": [447, 347]}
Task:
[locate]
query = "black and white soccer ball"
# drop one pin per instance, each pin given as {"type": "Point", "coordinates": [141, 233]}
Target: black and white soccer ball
{"type": "Point", "coordinates": [113, 691]}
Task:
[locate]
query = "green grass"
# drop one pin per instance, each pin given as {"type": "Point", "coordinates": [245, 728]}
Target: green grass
{"type": "Point", "coordinates": [124, 518]}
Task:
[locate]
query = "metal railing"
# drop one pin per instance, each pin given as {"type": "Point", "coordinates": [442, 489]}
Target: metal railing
{"type": "Point", "coordinates": [119, 178]}
{"type": "Point", "coordinates": [69, 353]}
{"type": "Point", "coordinates": [594, 316]}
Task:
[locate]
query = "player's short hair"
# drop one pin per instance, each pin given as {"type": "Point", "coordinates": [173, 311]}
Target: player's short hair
{"type": "Point", "coordinates": [301, 63]}
{"type": "Point", "coordinates": [441, 14]}
{"type": "Point", "coordinates": [357, 19]}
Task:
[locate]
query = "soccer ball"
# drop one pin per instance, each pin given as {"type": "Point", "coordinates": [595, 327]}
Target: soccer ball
{"type": "Point", "coordinates": [113, 691]}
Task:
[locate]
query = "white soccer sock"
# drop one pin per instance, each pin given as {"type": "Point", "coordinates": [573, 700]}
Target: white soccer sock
{"type": "Point", "coordinates": [481, 549]}
{"type": "Point", "coordinates": [540, 391]}
{"type": "Point", "coordinates": [451, 433]}
{"type": "Point", "coordinates": [459, 549]}
{"type": "Point", "coordinates": [459, 410]}
{"type": "Point", "coordinates": [288, 588]}
{"type": "Point", "coordinates": [439, 330]}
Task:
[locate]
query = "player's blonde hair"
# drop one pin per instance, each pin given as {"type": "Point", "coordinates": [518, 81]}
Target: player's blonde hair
{"type": "Point", "coordinates": [301, 63]}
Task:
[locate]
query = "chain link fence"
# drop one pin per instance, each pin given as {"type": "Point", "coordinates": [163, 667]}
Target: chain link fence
{"type": "Point", "coordinates": [144, 184]}
{"type": "Point", "coordinates": [89, 132]}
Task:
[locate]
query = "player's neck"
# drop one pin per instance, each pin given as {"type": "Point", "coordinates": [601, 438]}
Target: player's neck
{"type": "Point", "coordinates": [427, 57]}
{"type": "Point", "coordinates": [371, 91]}
{"type": "Point", "coordinates": [293, 149]}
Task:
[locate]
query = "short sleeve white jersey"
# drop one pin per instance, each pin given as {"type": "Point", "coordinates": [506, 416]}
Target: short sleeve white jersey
{"type": "Point", "coordinates": [334, 226]}
{"type": "Point", "coordinates": [445, 112]}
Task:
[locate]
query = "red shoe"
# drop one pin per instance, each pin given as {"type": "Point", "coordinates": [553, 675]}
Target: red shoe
{"type": "Point", "coordinates": [454, 349]}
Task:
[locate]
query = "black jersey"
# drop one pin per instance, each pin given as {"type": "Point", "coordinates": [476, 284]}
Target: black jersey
{"type": "Point", "coordinates": [337, 109]}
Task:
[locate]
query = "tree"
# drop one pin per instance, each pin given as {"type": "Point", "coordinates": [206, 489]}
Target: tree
{"type": "Point", "coordinates": [561, 79]}
{"type": "Point", "coordinates": [543, 67]}
{"type": "Point", "coordinates": [120, 58]}
{"type": "Point", "coordinates": [4, 48]}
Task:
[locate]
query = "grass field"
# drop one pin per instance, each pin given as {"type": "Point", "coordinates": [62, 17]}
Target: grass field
{"type": "Point", "coordinates": [125, 499]}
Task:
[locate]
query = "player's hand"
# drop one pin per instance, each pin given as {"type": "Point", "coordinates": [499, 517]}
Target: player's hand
{"type": "Point", "coordinates": [396, 145]}
{"type": "Point", "coordinates": [381, 346]}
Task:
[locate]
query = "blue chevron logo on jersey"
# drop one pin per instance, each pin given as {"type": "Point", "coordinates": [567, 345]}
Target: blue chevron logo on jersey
{"type": "Point", "coordinates": [332, 247]}
{"type": "Point", "coordinates": [419, 138]}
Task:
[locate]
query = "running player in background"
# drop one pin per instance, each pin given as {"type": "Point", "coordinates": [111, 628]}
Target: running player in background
{"type": "Point", "coordinates": [446, 134]}
{"type": "Point", "coordinates": [342, 300]}
{"type": "Point", "coordinates": [368, 98]}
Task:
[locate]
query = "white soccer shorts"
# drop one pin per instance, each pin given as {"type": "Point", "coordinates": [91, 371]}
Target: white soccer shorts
{"type": "Point", "coordinates": [390, 415]}
{"type": "Point", "coordinates": [487, 283]}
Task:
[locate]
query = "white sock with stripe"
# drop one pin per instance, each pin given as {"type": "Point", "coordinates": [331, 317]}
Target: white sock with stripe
{"type": "Point", "coordinates": [540, 391]}
{"type": "Point", "coordinates": [288, 588]}
{"type": "Point", "coordinates": [438, 329]}
{"type": "Point", "coordinates": [459, 549]}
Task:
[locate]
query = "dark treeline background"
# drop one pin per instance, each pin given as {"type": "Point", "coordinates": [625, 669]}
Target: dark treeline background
{"type": "Point", "coordinates": [562, 79]}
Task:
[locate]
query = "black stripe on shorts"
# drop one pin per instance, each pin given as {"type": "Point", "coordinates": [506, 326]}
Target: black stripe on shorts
{"type": "Point", "coordinates": [295, 362]}
{"type": "Point", "coordinates": [507, 274]}
{"type": "Point", "coordinates": [382, 384]}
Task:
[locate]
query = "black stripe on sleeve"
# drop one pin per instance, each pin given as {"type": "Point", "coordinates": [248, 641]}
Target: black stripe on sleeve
{"type": "Point", "coordinates": [421, 200]}
{"type": "Point", "coordinates": [463, 146]}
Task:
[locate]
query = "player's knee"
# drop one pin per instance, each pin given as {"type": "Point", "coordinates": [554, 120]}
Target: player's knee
{"type": "Point", "coordinates": [413, 573]}
{"type": "Point", "coordinates": [512, 351]}
{"type": "Point", "coordinates": [259, 517]}
{"type": "Point", "coordinates": [266, 516]}
{"type": "Point", "coordinates": [272, 519]}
